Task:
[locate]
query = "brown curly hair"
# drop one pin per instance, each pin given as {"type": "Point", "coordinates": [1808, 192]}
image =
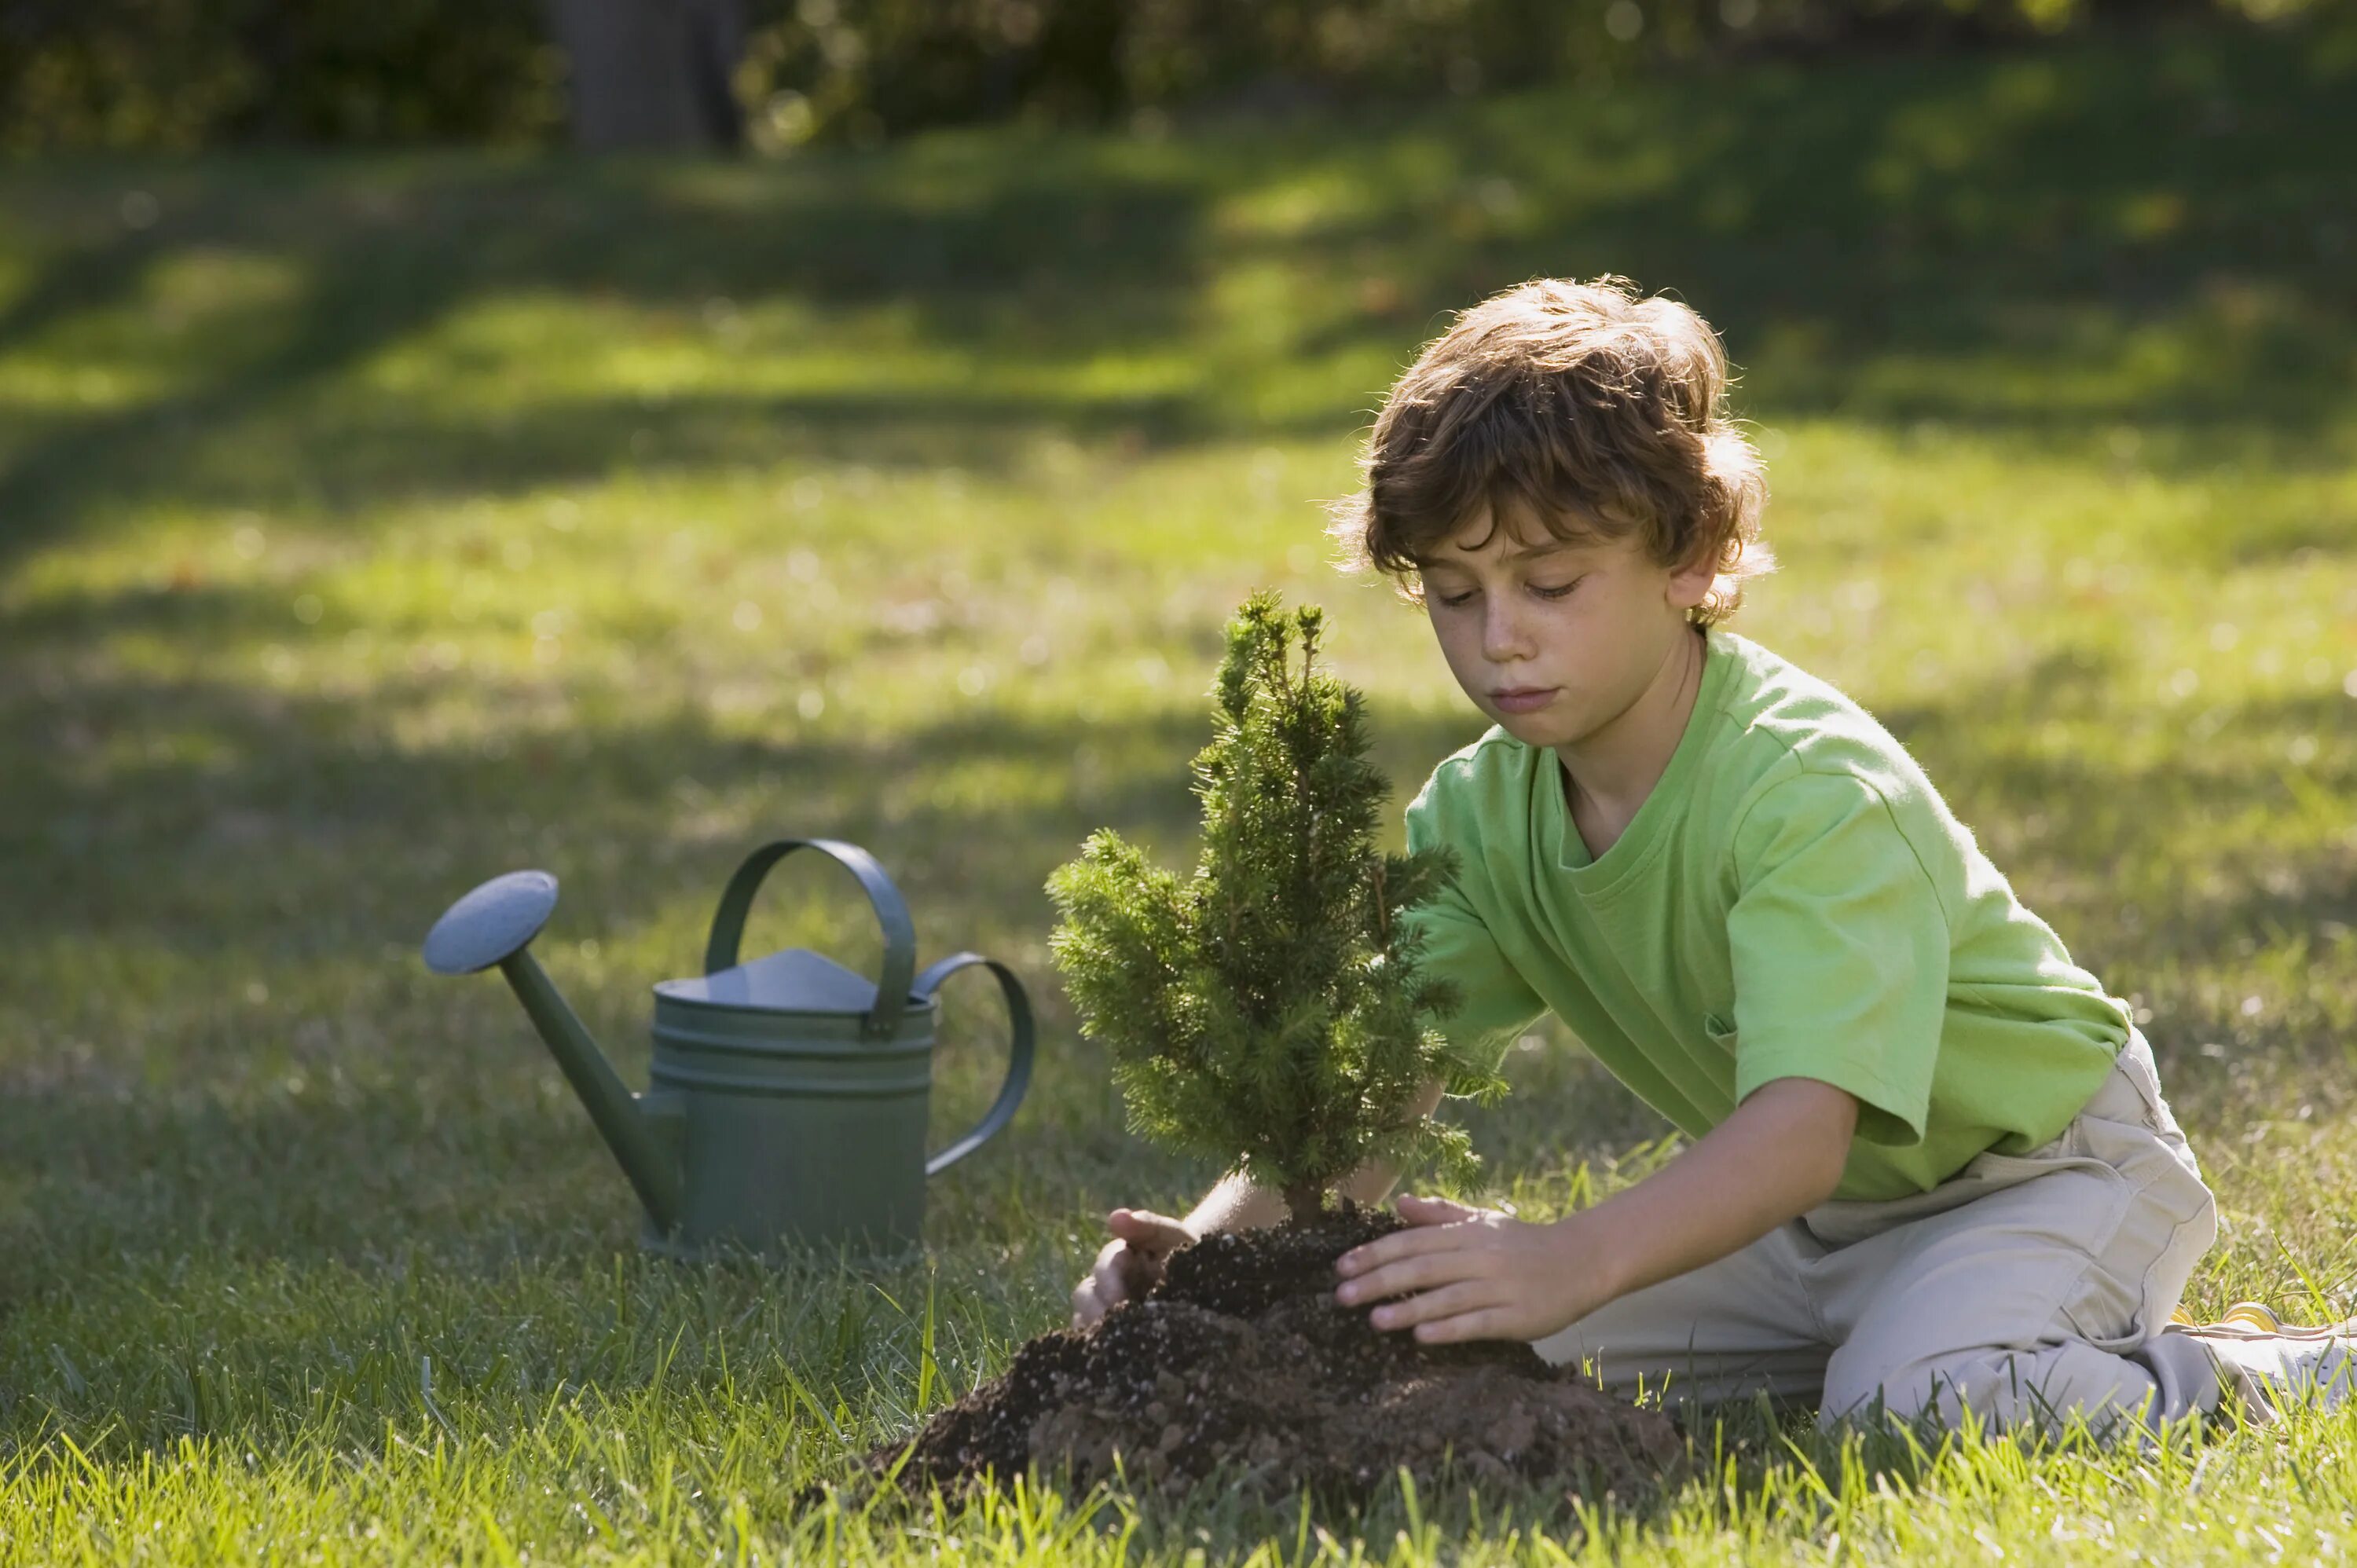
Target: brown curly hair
{"type": "Point", "coordinates": [1602, 410]}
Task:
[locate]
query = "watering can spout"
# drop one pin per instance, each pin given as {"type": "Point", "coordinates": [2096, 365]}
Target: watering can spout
{"type": "Point", "coordinates": [495, 925]}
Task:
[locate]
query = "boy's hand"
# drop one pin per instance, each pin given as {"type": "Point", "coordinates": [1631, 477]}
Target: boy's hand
{"type": "Point", "coordinates": [1129, 1265]}
{"type": "Point", "coordinates": [1481, 1274]}
{"type": "Point", "coordinates": [1478, 1273]}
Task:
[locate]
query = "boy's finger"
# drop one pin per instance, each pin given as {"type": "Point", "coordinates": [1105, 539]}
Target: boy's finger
{"type": "Point", "coordinates": [1481, 1323]}
{"type": "Point", "coordinates": [1139, 1272]}
{"type": "Point", "coordinates": [1435, 1306]}
{"type": "Point", "coordinates": [1418, 1209]}
{"type": "Point", "coordinates": [1141, 1227]}
{"type": "Point", "coordinates": [1450, 1209]}
{"type": "Point", "coordinates": [1424, 1273]}
{"type": "Point", "coordinates": [1390, 1249]}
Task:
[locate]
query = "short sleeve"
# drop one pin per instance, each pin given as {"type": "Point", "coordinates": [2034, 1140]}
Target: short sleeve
{"type": "Point", "coordinates": [1495, 1002]}
{"type": "Point", "coordinates": [1839, 948]}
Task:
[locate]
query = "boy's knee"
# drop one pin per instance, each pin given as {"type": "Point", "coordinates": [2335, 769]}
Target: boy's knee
{"type": "Point", "coordinates": [1999, 1387]}
{"type": "Point", "coordinates": [2053, 1385]}
{"type": "Point", "coordinates": [1909, 1392]}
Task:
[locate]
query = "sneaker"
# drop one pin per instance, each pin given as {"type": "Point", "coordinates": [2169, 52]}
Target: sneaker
{"type": "Point", "coordinates": [2243, 1313]}
{"type": "Point", "coordinates": [2269, 1365]}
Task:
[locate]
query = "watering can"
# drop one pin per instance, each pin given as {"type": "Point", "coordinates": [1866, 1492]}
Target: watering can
{"type": "Point", "coordinates": [787, 1100]}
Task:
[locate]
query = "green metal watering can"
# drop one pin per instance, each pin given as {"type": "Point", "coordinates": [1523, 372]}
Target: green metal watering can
{"type": "Point", "coordinates": [788, 1100]}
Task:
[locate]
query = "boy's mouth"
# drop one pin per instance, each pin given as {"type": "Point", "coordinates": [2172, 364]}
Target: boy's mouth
{"type": "Point", "coordinates": [1523, 699]}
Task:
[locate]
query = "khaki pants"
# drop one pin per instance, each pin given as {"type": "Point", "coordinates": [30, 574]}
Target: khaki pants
{"type": "Point", "coordinates": [2023, 1287]}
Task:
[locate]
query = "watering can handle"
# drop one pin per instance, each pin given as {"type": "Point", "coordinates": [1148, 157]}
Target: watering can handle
{"type": "Point", "coordinates": [900, 934]}
{"type": "Point", "coordinates": [1019, 1055]}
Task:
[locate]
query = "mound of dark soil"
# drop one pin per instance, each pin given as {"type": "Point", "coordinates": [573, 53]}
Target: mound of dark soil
{"type": "Point", "coordinates": [1240, 1355]}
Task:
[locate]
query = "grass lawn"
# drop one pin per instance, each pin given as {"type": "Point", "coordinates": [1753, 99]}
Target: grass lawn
{"type": "Point", "coordinates": [368, 527]}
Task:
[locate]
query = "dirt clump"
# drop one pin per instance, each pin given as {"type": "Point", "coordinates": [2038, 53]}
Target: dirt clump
{"type": "Point", "coordinates": [1241, 1357]}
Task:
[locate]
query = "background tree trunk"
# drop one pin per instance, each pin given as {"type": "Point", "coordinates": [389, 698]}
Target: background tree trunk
{"type": "Point", "coordinates": [652, 74]}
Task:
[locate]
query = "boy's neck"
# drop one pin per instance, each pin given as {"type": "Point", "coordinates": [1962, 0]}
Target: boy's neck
{"type": "Point", "coordinates": [1608, 775]}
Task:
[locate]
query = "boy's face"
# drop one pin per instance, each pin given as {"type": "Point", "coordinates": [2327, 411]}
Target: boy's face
{"type": "Point", "coordinates": [1554, 641]}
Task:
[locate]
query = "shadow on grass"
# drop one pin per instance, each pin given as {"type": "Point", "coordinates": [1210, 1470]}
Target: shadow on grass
{"type": "Point", "coordinates": [2040, 247]}
{"type": "Point", "coordinates": [383, 257]}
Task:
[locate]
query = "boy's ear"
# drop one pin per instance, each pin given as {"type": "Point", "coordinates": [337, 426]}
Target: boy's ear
{"type": "Point", "coordinates": [1690, 584]}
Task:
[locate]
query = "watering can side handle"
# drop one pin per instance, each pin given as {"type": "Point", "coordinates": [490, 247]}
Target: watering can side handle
{"type": "Point", "coordinates": [1019, 1055]}
{"type": "Point", "coordinates": [891, 913]}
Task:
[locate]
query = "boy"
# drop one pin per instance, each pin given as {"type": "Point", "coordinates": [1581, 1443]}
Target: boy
{"type": "Point", "coordinates": [1932, 1169]}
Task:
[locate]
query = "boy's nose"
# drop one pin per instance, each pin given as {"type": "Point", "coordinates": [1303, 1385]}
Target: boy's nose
{"type": "Point", "coordinates": [1502, 636]}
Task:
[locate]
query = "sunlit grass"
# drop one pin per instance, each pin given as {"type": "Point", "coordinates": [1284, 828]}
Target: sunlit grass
{"type": "Point", "coordinates": [369, 528]}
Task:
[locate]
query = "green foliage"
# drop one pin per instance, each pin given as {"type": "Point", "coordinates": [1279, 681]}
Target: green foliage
{"type": "Point", "coordinates": [863, 69]}
{"type": "Point", "coordinates": [176, 75]}
{"type": "Point", "coordinates": [1269, 1010]}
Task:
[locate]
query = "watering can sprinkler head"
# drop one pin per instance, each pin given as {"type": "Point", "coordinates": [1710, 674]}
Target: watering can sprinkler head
{"type": "Point", "coordinates": [492, 924]}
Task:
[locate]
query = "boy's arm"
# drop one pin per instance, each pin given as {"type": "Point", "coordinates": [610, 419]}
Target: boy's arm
{"type": "Point", "coordinates": [1480, 1275]}
{"type": "Point", "coordinates": [1130, 1262]}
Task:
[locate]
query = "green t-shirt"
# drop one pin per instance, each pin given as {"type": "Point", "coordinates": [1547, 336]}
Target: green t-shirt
{"type": "Point", "coordinates": [1793, 900]}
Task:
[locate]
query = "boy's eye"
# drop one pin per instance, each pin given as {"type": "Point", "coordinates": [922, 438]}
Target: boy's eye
{"type": "Point", "coordinates": [1454, 600]}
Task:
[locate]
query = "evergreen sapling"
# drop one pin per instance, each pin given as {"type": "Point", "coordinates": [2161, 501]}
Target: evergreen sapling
{"type": "Point", "coordinates": [1269, 1011]}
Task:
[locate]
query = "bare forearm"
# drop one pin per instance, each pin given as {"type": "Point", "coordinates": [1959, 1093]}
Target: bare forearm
{"type": "Point", "coordinates": [1237, 1205]}
{"type": "Point", "coordinates": [1779, 1155]}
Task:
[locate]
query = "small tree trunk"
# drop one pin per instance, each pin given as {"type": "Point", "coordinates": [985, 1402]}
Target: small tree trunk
{"type": "Point", "coordinates": [1305, 1201]}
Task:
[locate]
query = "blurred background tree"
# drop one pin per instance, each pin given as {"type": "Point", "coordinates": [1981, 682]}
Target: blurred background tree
{"type": "Point", "coordinates": [179, 75]}
{"type": "Point", "coordinates": [651, 73]}
{"type": "Point", "coordinates": [182, 75]}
